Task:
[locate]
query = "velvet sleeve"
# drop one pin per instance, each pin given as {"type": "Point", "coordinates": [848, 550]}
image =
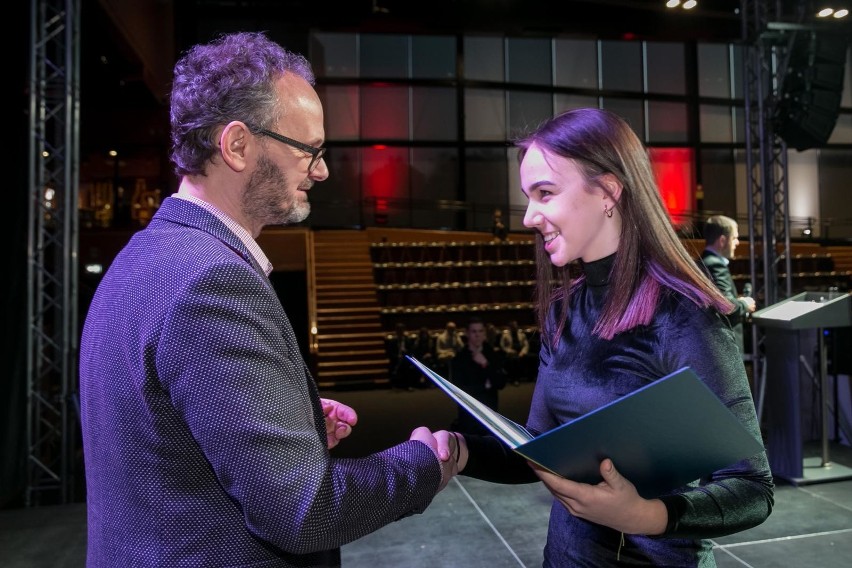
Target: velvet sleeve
{"type": "Point", "coordinates": [491, 460]}
{"type": "Point", "coordinates": [739, 496]}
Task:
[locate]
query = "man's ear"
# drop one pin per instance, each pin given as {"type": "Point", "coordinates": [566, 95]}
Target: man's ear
{"type": "Point", "coordinates": [233, 141]}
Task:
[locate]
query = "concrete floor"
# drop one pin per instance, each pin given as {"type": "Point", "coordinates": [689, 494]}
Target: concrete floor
{"type": "Point", "coordinates": [475, 524]}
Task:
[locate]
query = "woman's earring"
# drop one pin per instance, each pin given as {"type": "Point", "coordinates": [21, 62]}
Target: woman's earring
{"type": "Point", "coordinates": [608, 212]}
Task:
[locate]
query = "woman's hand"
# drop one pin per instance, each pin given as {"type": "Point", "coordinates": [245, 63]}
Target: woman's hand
{"type": "Point", "coordinates": [613, 502]}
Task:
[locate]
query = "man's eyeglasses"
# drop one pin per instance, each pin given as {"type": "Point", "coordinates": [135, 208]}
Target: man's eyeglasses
{"type": "Point", "coordinates": [316, 153]}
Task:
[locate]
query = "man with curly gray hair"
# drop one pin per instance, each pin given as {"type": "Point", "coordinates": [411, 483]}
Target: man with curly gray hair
{"type": "Point", "coordinates": [206, 442]}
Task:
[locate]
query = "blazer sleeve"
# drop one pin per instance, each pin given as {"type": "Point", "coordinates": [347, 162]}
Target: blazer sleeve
{"type": "Point", "coordinates": [245, 394]}
{"type": "Point", "coordinates": [721, 276]}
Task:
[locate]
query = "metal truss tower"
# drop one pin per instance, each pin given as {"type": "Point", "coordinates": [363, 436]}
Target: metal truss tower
{"type": "Point", "coordinates": [769, 29]}
{"type": "Point", "coordinates": [54, 73]}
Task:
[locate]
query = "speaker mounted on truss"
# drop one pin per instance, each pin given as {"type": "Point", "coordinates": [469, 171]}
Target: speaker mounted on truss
{"type": "Point", "coordinates": [809, 104]}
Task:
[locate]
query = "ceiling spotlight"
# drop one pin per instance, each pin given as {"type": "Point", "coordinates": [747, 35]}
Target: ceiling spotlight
{"type": "Point", "coordinates": [690, 4]}
{"type": "Point", "coordinates": [825, 12]}
{"type": "Point", "coordinates": [672, 3]}
{"type": "Point", "coordinates": [841, 13]}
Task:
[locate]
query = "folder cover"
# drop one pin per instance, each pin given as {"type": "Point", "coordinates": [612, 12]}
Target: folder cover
{"type": "Point", "coordinates": [660, 437]}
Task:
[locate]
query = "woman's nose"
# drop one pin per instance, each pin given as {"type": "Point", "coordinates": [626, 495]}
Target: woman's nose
{"type": "Point", "coordinates": [532, 218]}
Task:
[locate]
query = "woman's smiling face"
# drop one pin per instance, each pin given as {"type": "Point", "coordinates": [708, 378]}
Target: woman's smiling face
{"type": "Point", "coordinates": [568, 213]}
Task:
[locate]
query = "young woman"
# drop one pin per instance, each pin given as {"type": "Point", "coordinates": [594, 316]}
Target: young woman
{"type": "Point", "coordinates": [640, 310]}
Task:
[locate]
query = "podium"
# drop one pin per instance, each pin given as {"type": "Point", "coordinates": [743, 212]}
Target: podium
{"type": "Point", "coordinates": [794, 331]}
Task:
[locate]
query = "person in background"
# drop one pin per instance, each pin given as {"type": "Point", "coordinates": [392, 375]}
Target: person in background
{"type": "Point", "coordinates": [516, 347]}
{"type": "Point", "coordinates": [493, 335]}
{"type": "Point", "coordinates": [447, 343]}
{"type": "Point", "coordinates": [639, 310]}
{"type": "Point", "coordinates": [479, 371]}
{"type": "Point", "coordinates": [206, 442]}
{"type": "Point", "coordinates": [498, 228]}
{"type": "Point", "coordinates": [722, 235]}
{"type": "Point", "coordinates": [423, 349]}
{"type": "Point", "coordinates": [398, 345]}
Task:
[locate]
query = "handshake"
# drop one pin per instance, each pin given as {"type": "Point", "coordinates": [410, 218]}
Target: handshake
{"type": "Point", "coordinates": [449, 447]}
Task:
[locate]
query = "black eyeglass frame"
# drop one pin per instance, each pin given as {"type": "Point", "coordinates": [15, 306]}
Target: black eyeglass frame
{"type": "Point", "coordinates": [316, 153]}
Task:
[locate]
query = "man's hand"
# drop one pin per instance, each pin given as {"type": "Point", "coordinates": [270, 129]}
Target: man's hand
{"type": "Point", "coordinates": [339, 420]}
{"type": "Point", "coordinates": [445, 446]}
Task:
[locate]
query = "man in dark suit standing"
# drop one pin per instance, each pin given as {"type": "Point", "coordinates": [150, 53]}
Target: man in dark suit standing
{"type": "Point", "coordinates": [206, 442]}
{"type": "Point", "coordinates": [721, 235]}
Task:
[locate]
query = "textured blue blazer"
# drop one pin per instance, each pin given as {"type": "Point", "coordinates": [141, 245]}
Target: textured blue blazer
{"type": "Point", "coordinates": [203, 433]}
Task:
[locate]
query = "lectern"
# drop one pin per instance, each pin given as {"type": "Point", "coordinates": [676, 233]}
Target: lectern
{"type": "Point", "coordinates": [794, 330]}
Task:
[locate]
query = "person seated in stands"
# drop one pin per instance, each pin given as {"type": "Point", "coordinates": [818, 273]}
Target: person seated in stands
{"type": "Point", "coordinates": [398, 345]}
{"type": "Point", "coordinates": [493, 334]}
{"type": "Point", "coordinates": [478, 370]}
{"type": "Point", "coordinates": [423, 349]}
{"type": "Point", "coordinates": [447, 344]}
{"type": "Point", "coordinates": [516, 348]}
{"type": "Point", "coordinates": [499, 229]}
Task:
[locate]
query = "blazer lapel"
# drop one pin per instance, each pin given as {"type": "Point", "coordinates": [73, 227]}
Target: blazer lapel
{"type": "Point", "coordinates": [181, 211]}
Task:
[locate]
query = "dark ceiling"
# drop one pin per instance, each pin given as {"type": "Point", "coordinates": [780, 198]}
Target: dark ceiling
{"type": "Point", "coordinates": [121, 105]}
{"type": "Point", "coordinates": [114, 73]}
{"type": "Point", "coordinates": [646, 18]}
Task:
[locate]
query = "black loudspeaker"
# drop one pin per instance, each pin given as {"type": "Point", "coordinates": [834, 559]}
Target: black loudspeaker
{"type": "Point", "coordinates": [810, 93]}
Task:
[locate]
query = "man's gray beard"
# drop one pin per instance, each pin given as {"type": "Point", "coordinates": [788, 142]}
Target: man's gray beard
{"type": "Point", "coordinates": [262, 199]}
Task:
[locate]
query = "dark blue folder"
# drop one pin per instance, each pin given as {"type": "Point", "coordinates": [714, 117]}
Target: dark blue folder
{"type": "Point", "coordinates": [660, 437]}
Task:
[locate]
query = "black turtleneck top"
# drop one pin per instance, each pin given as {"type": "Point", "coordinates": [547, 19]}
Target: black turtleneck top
{"type": "Point", "coordinates": [584, 372]}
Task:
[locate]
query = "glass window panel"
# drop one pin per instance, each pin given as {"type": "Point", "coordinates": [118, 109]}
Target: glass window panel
{"type": "Point", "coordinates": [385, 179]}
{"type": "Point", "coordinates": [434, 176]}
{"type": "Point", "coordinates": [666, 68]}
{"type": "Point", "coordinates": [834, 202]}
{"type": "Point", "coordinates": [739, 125]}
{"type": "Point", "coordinates": [384, 112]}
{"type": "Point", "coordinates": [336, 201]}
{"type": "Point", "coordinates": [718, 181]}
{"type": "Point", "coordinates": [516, 197]}
{"type": "Point", "coordinates": [737, 78]}
{"type": "Point", "coordinates": [487, 184]}
{"type": "Point", "coordinates": [527, 110]}
{"type": "Point", "coordinates": [566, 102]}
{"type": "Point", "coordinates": [334, 55]}
{"type": "Point", "coordinates": [713, 71]}
{"type": "Point", "coordinates": [675, 176]}
{"type": "Point", "coordinates": [576, 63]}
{"type": "Point", "coordinates": [433, 113]}
{"type": "Point", "coordinates": [667, 122]}
{"type": "Point", "coordinates": [483, 58]}
{"type": "Point", "coordinates": [485, 114]}
{"type": "Point", "coordinates": [842, 133]}
{"type": "Point", "coordinates": [715, 124]}
{"type": "Point", "coordinates": [433, 57]}
{"type": "Point", "coordinates": [384, 56]}
{"type": "Point", "coordinates": [621, 65]}
{"type": "Point", "coordinates": [629, 110]}
{"type": "Point", "coordinates": [340, 107]}
{"type": "Point", "coordinates": [529, 61]}
{"type": "Point", "coordinates": [846, 97]}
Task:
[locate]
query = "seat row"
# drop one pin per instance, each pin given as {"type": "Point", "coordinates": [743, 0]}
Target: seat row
{"type": "Point", "coordinates": [418, 293]}
{"type": "Point", "coordinates": [447, 272]}
{"type": "Point", "coordinates": [457, 251]}
{"type": "Point", "coordinates": [436, 316]}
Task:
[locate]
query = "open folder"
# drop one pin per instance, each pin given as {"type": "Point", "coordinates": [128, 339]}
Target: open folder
{"type": "Point", "coordinates": [660, 437]}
